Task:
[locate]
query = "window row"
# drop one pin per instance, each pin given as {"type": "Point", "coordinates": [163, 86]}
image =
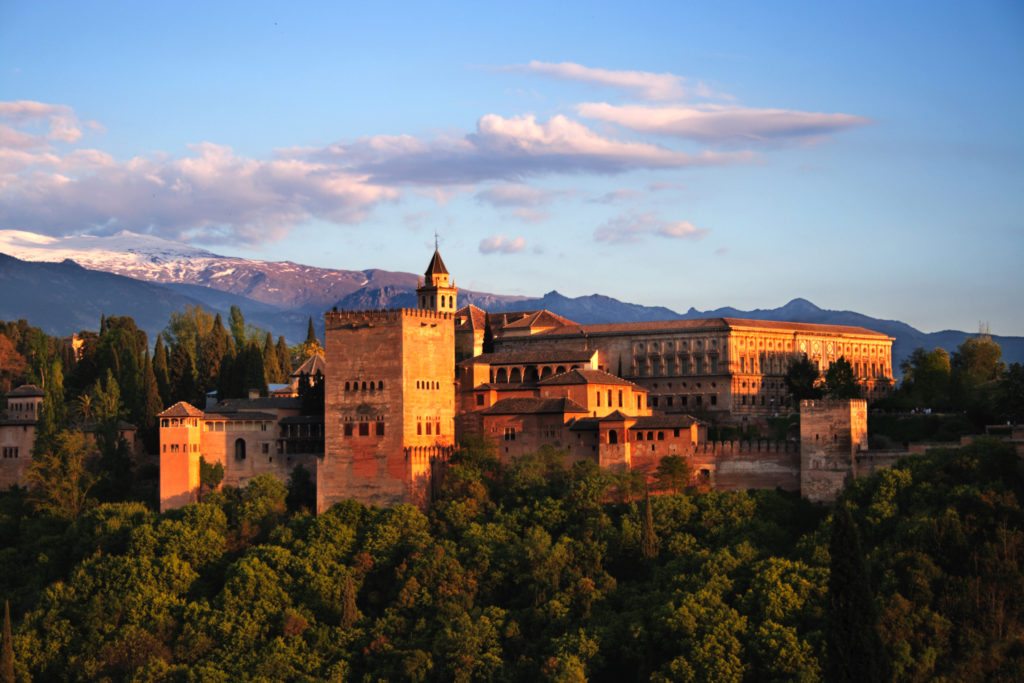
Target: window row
{"type": "Point", "coordinates": [10, 452]}
{"type": "Point", "coordinates": [424, 384]}
{"type": "Point", "coordinates": [364, 386]}
{"type": "Point", "coordinates": [670, 401]}
{"type": "Point", "coordinates": [362, 428]}
{"type": "Point", "coordinates": [428, 427]}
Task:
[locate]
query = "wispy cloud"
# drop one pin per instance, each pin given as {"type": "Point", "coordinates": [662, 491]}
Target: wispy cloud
{"type": "Point", "coordinates": [720, 123]}
{"type": "Point", "coordinates": [60, 120]}
{"type": "Point", "coordinates": [510, 149]}
{"type": "Point", "coordinates": [499, 244]}
{"type": "Point", "coordinates": [644, 84]}
{"type": "Point", "coordinates": [633, 228]}
{"type": "Point", "coordinates": [511, 195]}
{"type": "Point", "coordinates": [614, 197]}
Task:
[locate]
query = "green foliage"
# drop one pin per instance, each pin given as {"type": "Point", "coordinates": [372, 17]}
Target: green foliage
{"type": "Point", "coordinates": [926, 378]}
{"type": "Point", "coordinates": [803, 380]}
{"type": "Point", "coordinates": [7, 648]}
{"type": "Point", "coordinates": [528, 571]}
{"type": "Point", "coordinates": [59, 476]}
{"type": "Point", "coordinates": [840, 381]}
{"type": "Point", "coordinates": [673, 473]}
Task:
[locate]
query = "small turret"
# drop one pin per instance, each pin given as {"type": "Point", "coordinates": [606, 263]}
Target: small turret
{"type": "Point", "coordinates": [438, 292]}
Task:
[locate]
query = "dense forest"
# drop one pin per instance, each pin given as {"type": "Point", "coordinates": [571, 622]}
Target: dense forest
{"type": "Point", "coordinates": [527, 572]}
{"type": "Point", "coordinates": [523, 570]}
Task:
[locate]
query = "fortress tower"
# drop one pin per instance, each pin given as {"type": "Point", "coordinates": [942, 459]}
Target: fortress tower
{"type": "Point", "coordinates": [832, 433]}
{"type": "Point", "coordinates": [389, 397]}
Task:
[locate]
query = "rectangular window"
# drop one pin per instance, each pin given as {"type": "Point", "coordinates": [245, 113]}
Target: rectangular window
{"type": "Point", "coordinates": [348, 429]}
{"type": "Point", "coordinates": [714, 400]}
{"type": "Point", "coordinates": [479, 399]}
{"type": "Point", "coordinates": [429, 426]}
{"type": "Point", "coordinates": [620, 398]}
{"type": "Point", "coordinates": [698, 400]}
{"type": "Point", "coordinates": [668, 401]}
{"type": "Point", "coordinates": [675, 433]}
{"type": "Point", "coordinates": [682, 400]}
{"type": "Point", "coordinates": [380, 429]}
{"type": "Point", "coordinates": [599, 399]}
{"type": "Point", "coordinates": [437, 428]}
{"type": "Point", "coordinates": [510, 433]}
{"type": "Point", "coordinates": [661, 436]}
{"type": "Point", "coordinates": [265, 448]}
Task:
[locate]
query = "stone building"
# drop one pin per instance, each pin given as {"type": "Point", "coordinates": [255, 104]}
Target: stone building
{"type": "Point", "coordinates": [18, 433]}
{"type": "Point", "coordinates": [729, 368]}
{"type": "Point", "coordinates": [247, 437]}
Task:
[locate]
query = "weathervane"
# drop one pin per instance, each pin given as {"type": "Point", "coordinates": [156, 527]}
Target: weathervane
{"type": "Point", "coordinates": [435, 239]}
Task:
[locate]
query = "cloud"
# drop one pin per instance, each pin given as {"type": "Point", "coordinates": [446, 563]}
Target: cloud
{"type": "Point", "coordinates": [645, 84]}
{"type": "Point", "coordinates": [212, 195]}
{"type": "Point", "coordinates": [614, 197]}
{"type": "Point", "coordinates": [634, 228]}
{"type": "Point", "coordinates": [60, 119]}
{"type": "Point", "coordinates": [499, 244]}
{"type": "Point", "coordinates": [510, 149]}
{"type": "Point", "coordinates": [713, 123]}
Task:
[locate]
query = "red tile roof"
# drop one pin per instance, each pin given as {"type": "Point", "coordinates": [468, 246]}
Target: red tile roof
{"type": "Point", "coordinates": [182, 409]}
{"type": "Point", "coordinates": [26, 390]}
{"type": "Point", "coordinates": [703, 324]}
{"type": "Point", "coordinates": [587, 376]}
{"type": "Point", "coordinates": [534, 406]}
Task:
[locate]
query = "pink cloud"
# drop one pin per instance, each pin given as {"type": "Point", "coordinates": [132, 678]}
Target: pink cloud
{"type": "Point", "coordinates": [634, 228]}
{"type": "Point", "coordinates": [499, 244]}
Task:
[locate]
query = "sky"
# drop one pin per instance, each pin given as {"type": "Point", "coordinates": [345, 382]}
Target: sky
{"type": "Point", "coordinates": [866, 156]}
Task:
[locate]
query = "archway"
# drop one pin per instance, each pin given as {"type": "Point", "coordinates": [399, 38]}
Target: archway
{"type": "Point", "coordinates": [239, 449]}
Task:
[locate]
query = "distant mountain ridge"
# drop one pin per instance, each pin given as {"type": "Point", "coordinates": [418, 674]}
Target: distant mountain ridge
{"type": "Point", "coordinates": [279, 296]}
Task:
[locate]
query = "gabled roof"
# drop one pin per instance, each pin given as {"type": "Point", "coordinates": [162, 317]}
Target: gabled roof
{"type": "Point", "coordinates": [436, 266]}
{"type": "Point", "coordinates": [541, 318]}
{"type": "Point", "coordinates": [587, 376]}
{"type": "Point", "coordinates": [231, 405]}
{"type": "Point", "coordinates": [584, 424]}
{"type": "Point", "coordinates": [617, 416]}
{"type": "Point", "coordinates": [534, 406]}
{"type": "Point", "coordinates": [674, 421]}
{"type": "Point", "coordinates": [471, 317]}
{"type": "Point", "coordinates": [182, 409]}
{"type": "Point", "coordinates": [311, 366]}
{"type": "Point", "coordinates": [26, 390]}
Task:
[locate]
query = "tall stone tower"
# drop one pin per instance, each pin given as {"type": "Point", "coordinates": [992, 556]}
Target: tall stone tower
{"type": "Point", "coordinates": [438, 291]}
{"type": "Point", "coordinates": [832, 432]}
{"type": "Point", "coordinates": [389, 398]}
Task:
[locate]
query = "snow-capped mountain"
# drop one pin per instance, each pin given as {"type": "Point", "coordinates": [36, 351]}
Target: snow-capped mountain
{"type": "Point", "coordinates": [145, 257]}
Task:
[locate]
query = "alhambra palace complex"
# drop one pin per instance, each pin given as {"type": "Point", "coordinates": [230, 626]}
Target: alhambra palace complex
{"type": "Point", "coordinates": [402, 386]}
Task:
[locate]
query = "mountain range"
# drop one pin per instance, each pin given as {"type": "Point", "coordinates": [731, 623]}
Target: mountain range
{"type": "Point", "coordinates": [65, 284]}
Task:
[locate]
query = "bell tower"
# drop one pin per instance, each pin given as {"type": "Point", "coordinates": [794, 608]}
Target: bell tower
{"type": "Point", "coordinates": [438, 291]}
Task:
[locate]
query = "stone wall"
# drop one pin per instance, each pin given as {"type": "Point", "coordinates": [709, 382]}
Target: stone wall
{"type": "Point", "coordinates": [832, 432]}
{"type": "Point", "coordinates": [16, 442]}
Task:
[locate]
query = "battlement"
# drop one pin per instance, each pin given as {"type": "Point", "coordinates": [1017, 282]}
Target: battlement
{"type": "Point", "coordinates": [335, 319]}
{"type": "Point", "coordinates": [727, 448]}
{"type": "Point", "coordinates": [832, 403]}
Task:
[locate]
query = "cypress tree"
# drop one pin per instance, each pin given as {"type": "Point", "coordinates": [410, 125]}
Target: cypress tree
{"type": "Point", "coordinates": [648, 537]}
{"type": "Point", "coordinates": [163, 379]}
{"type": "Point", "coordinates": [271, 369]}
{"type": "Point", "coordinates": [7, 648]}
{"type": "Point", "coordinates": [253, 374]}
{"type": "Point", "coordinates": [284, 358]}
{"type": "Point", "coordinates": [52, 414]}
{"type": "Point", "coordinates": [488, 343]}
{"type": "Point", "coordinates": [213, 348]}
{"type": "Point", "coordinates": [854, 648]}
{"type": "Point", "coordinates": [183, 375]}
{"type": "Point", "coordinates": [349, 609]}
{"type": "Point", "coordinates": [237, 323]}
{"type": "Point", "coordinates": [152, 404]}
{"type": "Point", "coordinates": [311, 333]}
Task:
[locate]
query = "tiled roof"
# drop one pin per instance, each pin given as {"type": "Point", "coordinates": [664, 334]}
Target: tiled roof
{"type": "Point", "coordinates": [312, 366]}
{"type": "Point", "coordinates": [584, 424]}
{"type": "Point", "coordinates": [302, 420]}
{"type": "Point", "coordinates": [534, 406]}
{"type": "Point", "coordinates": [532, 356]}
{"type": "Point", "coordinates": [240, 416]}
{"type": "Point", "coordinates": [701, 325]}
{"type": "Point", "coordinates": [471, 317]}
{"type": "Point", "coordinates": [231, 405]}
{"type": "Point", "coordinates": [676, 421]}
{"type": "Point", "coordinates": [182, 409]}
{"type": "Point", "coordinates": [26, 390]}
{"type": "Point", "coordinates": [541, 318]}
{"type": "Point", "coordinates": [617, 416]}
{"type": "Point", "coordinates": [436, 266]}
{"type": "Point", "coordinates": [586, 376]}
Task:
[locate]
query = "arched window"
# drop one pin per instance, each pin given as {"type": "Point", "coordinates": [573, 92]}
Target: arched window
{"type": "Point", "coordinates": [516, 377]}
{"type": "Point", "coordinates": [239, 449]}
{"type": "Point", "coordinates": [546, 372]}
{"type": "Point", "coordinates": [613, 436]}
{"type": "Point", "coordinates": [560, 369]}
{"type": "Point", "coordinates": [502, 376]}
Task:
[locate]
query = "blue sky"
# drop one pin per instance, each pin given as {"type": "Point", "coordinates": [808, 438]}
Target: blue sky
{"type": "Point", "coordinates": [865, 157]}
